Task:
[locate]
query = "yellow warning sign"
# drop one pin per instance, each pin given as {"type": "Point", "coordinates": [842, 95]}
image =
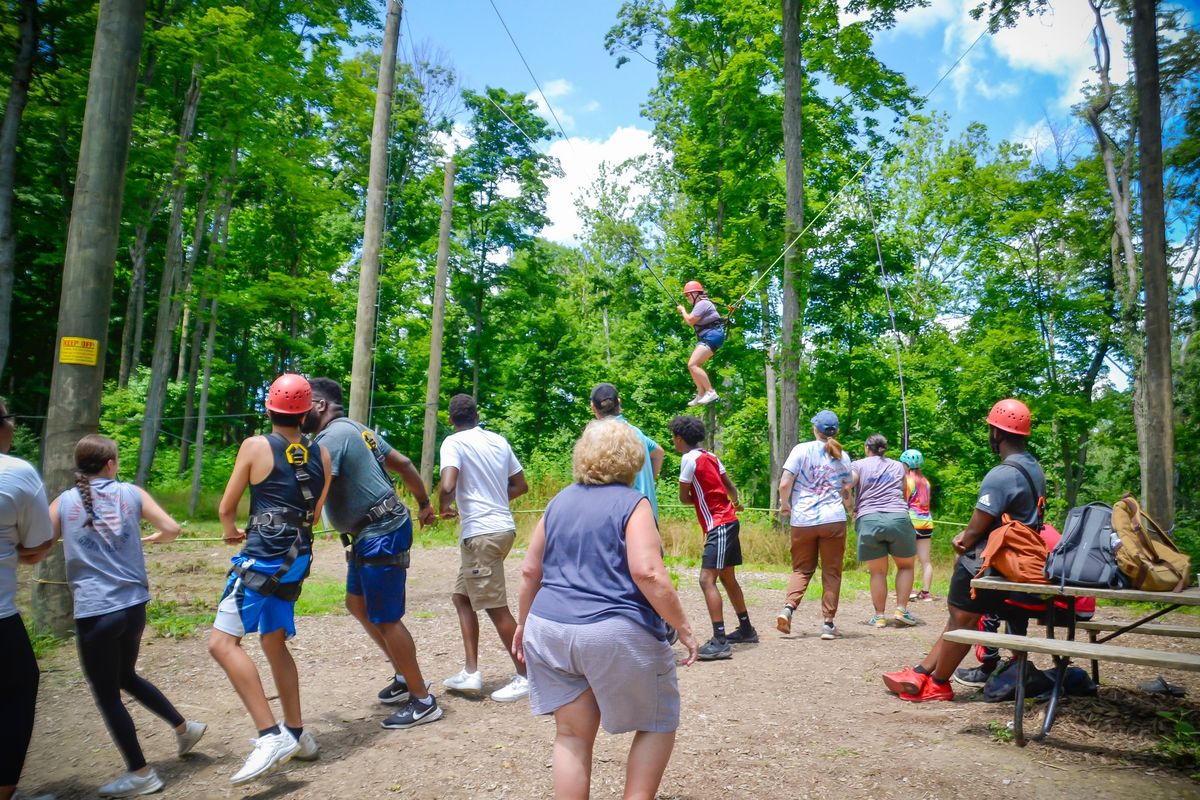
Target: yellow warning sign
{"type": "Point", "coordinates": [77, 350]}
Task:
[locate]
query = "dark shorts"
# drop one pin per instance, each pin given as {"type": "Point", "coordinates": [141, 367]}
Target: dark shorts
{"type": "Point", "coordinates": [712, 338]}
{"type": "Point", "coordinates": [987, 601]}
{"type": "Point", "coordinates": [924, 534]}
{"type": "Point", "coordinates": [722, 546]}
{"type": "Point", "coordinates": [383, 587]}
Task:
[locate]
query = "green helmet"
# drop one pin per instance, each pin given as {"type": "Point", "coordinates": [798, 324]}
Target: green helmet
{"type": "Point", "coordinates": [912, 459]}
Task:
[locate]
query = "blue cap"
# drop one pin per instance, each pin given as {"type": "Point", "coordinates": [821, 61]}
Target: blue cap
{"type": "Point", "coordinates": [826, 422]}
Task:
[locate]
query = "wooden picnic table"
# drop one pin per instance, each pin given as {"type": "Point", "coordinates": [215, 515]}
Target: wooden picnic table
{"type": "Point", "coordinates": [1062, 651]}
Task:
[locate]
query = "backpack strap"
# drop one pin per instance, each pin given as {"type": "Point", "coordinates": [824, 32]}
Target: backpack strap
{"type": "Point", "coordinates": [1039, 500]}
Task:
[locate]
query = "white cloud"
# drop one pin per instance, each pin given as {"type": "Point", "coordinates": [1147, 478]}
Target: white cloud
{"type": "Point", "coordinates": [592, 106]}
{"type": "Point", "coordinates": [580, 159]}
{"type": "Point", "coordinates": [1057, 43]}
{"type": "Point", "coordinates": [453, 141]}
{"type": "Point", "coordinates": [555, 89]}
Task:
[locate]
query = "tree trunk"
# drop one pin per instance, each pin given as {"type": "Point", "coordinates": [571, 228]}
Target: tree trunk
{"type": "Point", "coordinates": [433, 382]}
{"type": "Point", "coordinates": [1158, 476]}
{"type": "Point", "coordinates": [368, 276]}
{"type": "Point", "coordinates": [169, 302]}
{"type": "Point", "coordinates": [197, 466]}
{"type": "Point", "coordinates": [18, 94]}
{"type": "Point", "coordinates": [88, 274]}
{"type": "Point", "coordinates": [193, 369]}
{"type": "Point", "coordinates": [772, 400]}
{"type": "Point", "coordinates": [131, 333]}
{"type": "Point", "coordinates": [188, 273]}
{"type": "Point", "coordinates": [794, 283]}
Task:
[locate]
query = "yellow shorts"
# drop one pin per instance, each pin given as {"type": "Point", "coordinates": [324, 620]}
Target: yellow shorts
{"type": "Point", "coordinates": [481, 576]}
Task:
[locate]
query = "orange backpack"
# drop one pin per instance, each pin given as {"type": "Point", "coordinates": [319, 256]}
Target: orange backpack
{"type": "Point", "coordinates": [1016, 551]}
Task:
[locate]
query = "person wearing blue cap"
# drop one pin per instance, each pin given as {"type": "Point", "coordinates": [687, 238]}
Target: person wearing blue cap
{"type": "Point", "coordinates": [814, 494]}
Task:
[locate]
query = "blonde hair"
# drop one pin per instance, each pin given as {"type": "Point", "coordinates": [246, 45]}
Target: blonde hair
{"type": "Point", "coordinates": [608, 451]}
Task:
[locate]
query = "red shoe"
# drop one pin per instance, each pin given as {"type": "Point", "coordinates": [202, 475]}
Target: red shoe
{"type": "Point", "coordinates": [930, 692]}
{"type": "Point", "coordinates": [904, 681]}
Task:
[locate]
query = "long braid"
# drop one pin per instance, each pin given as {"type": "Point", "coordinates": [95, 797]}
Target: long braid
{"type": "Point", "coordinates": [84, 485]}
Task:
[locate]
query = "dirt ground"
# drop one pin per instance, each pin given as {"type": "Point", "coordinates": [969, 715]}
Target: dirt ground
{"type": "Point", "coordinates": [791, 717]}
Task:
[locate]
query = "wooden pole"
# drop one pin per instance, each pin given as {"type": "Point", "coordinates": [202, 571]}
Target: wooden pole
{"type": "Point", "coordinates": [88, 264]}
{"type": "Point", "coordinates": [202, 421]}
{"type": "Point", "coordinates": [368, 277]}
{"type": "Point", "coordinates": [793, 285]}
{"type": "Point", "coordinates": [433, 382]}
{"type": "Point", "coordinates": [1158, 482]}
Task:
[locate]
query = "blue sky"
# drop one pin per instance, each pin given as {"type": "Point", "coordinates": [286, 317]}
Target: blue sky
{"type": "Point", "coordinates": [1014, 81]}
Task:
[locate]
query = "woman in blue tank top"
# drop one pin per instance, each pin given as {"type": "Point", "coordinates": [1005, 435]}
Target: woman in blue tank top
{"type": "Point", "coordinates": [594, 597]}
{"type": "Point", "coordinates": [99, 521]}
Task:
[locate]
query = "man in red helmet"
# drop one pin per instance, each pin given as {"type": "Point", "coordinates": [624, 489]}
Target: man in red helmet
{"type": "Point", "coordinates": [1017, 487]}
{"type": "Point", "coordinates": [710, 330]}
{"type": "Point", "coordinates": [288, 477]}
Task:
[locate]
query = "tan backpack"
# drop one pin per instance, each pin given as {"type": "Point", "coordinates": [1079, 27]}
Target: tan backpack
{"type": "Point", "coordinates": [1147, 555]}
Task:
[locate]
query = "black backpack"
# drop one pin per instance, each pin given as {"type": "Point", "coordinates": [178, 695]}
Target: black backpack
{"type": "Point", "coordinates": [1085, 556]}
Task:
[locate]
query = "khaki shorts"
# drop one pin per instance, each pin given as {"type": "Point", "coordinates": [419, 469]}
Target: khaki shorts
{"type": "Point", "coordinates": [481, 576]}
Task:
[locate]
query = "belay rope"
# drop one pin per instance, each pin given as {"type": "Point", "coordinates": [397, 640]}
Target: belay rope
{"type": "Point", "coordinates": [891, 312]}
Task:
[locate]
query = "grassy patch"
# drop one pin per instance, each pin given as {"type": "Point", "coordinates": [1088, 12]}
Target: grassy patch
{"type": "Point", "coordinates": [321, 598]}
{"type": "Point", "coordinates": [43, 643]}
{"type": "Point", "coordinates": [424, 614]}
{"type": "Point", "coordinates": [1000, 731]}
{"type": "Point", "coordinates": [172, 619]}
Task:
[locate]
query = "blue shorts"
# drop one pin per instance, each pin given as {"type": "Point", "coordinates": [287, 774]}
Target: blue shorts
{"type": "Point", "coordinates": [712, 338]}
{"type": "Point", "coordinates": [243, 611]}
{"type": "Point", "coordinates": [382, 587]}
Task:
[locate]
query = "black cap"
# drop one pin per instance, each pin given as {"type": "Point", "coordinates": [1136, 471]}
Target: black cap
{"type": "Point", "coordinates": [605, 399]}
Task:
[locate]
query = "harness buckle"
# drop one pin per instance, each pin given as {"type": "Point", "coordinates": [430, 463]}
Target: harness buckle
{"type": "Point", "coordinates": [296, 454]}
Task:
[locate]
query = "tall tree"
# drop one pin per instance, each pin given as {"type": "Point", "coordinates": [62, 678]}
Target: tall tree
{"type": "Point", "coordinates": [88, 272]}
{"type": "Point", "coordinates": [790, 345]}
{"type": "Point", "coordinates": [1158, 478]}
{"type": "Point", "coordinates": [18, 95]}
{"type": "Point", "coordinates": [368, 274]}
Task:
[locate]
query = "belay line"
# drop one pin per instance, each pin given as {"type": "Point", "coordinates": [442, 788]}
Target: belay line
{"type": "Point", "coordinates": [891, 312]}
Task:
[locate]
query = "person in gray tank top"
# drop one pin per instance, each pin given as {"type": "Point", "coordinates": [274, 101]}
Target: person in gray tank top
{"type": "Point", "coordinates": [594, 598]}
{"type": "Point", "coordinates": [99, 522]}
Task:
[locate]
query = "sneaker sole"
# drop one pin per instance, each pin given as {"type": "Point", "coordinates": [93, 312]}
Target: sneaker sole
{"type": "Point", "coordinates": [900, 687]}
{"type": "Point", "coordinates": [151, 789]}
{"type": "Point", "coordinates": [313, 757]}
{"type": "Point", "coordinates": [716, 656]}
{"type": "Point", "coordinates": [906, 623]}
{"type": "Point", "coordinates": [783, 624]}
{"type": "Point", "coordinates": [268, 769]}
{"type": "Point", "coordinates": [913, 698]}
{"type": "Point", "coordinates": [752, 640]}
{"type": "Point", "coordinates": [521, 696]}
{"type": "Point", "coordinates": [968, 684]}
{"type": "Point", "coordinates": [829, 636]}
{"type": "Point", "coordinates": [432, 716]}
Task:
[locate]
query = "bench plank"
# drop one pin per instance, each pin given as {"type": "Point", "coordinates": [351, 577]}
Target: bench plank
{"type": "Point", "coordinates": [1079, 650]}
{"type": "Point", "coordinates": [1180, 631]}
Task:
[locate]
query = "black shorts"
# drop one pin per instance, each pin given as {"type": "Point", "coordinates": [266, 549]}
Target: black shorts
{"type": "Point", "coordinates": [722, 546]}
{"type": "Point", "coordinates": [987, 601]}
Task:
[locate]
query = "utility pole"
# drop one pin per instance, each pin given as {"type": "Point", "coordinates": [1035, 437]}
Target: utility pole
{"type": "Point", "coordinates": [1158, 480]}
{"type": "Point", "coordinates": [433, 383]}
{"type": "Point", "coordinates": [88, 275]}
{"type": "Point", "coordinates": [792, 317]}
{"type": "Point", "coordinates": [368, 275]}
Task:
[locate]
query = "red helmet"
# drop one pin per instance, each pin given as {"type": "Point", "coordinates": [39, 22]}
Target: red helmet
{"type": "Point", "coordinates": [1012, 416]}
{"type": "Point", "coordinates": [693, 286]}
{"type": "Point", "coordinates": [290, 394]}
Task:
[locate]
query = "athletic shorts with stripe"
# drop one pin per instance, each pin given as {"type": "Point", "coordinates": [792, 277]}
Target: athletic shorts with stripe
{"type": "Point", "coordinates": [722, 546]}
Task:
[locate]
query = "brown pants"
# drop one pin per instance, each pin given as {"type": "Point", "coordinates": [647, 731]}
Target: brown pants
{"type": "Point", "coordinates": [828, 543]}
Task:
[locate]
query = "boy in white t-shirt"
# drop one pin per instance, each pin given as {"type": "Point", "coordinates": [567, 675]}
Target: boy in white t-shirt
{"type": "Point", "coordinates": [480, 475]}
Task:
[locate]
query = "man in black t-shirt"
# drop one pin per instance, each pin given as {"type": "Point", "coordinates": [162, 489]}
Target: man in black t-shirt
{"type": "Point", "coordinates": [1017, 487]}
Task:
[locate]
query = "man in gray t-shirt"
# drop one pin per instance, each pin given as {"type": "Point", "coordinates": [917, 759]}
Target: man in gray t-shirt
{"type": "Point", "coordinates": [362, 506]}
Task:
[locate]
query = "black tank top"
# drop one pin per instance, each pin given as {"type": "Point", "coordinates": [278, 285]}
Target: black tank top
{"type": "Point", "coordinates": [280, 491]}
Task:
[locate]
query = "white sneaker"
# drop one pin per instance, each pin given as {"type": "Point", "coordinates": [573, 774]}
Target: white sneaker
{"type": "Point", "coordinates": [308, 750]}
{"type": "Point", "coordinates": [131, 785]}
{"type": "Point", "coordinates": [42, 796]}
{"type": "Point", "coordinates": [709, 397]}
{"type": "Point", "coordinates": [269, 752]}
{"type": "Point", "coordinates": [517, 688]}
{"type": "Point", "coordinates": [697, 400]}
{"type": "Point", "coordinates": [184, 742]}
{"type": "Point", "coordinates": [465, 681]}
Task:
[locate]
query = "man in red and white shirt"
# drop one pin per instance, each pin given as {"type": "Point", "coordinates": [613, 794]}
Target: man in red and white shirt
{"type": "Point", "coordinates": [703, 482]}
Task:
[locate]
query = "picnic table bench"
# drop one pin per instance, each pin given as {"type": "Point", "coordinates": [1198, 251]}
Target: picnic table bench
{"type": "Point", "coordinates": [1096, 650]}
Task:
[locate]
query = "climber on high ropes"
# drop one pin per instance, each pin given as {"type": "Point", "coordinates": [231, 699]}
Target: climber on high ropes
{"type": "Point", "coordinates": [710, 330]}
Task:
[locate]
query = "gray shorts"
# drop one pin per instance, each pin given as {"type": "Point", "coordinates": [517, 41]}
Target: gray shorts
{"type": "Point", "coordinates": [631, 672]}
{"type": "Point", "coordinates": [885, 533]}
